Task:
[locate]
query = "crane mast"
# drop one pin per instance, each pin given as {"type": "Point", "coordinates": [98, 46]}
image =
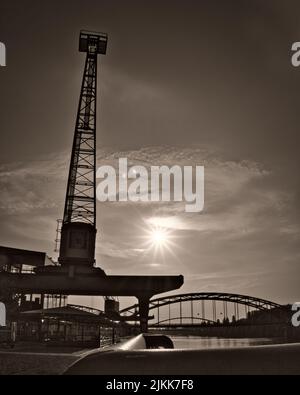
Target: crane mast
{"type": "Point", "coordinates": [78, 232]}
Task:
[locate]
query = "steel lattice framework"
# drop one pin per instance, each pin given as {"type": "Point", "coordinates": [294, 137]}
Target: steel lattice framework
{"type": "Point", "coordinates": [256, 303]}
{"type": "Point", "coordinates": [80, 203]}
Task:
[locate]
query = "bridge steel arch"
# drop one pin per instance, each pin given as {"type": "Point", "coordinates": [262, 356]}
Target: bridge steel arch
{"type": "Point", "coordinates": [168, 321]}
{"type": "Point", "coordinates": [246, 300]}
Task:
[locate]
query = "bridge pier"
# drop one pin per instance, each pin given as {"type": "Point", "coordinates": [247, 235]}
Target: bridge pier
{"type": "Point", "coordinates": [144, 313]}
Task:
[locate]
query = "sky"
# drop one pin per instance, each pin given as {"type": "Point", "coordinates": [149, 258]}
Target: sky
{"type": "Point", "coordinates": [183, 82]}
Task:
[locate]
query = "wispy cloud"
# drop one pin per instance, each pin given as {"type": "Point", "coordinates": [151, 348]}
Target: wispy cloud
{"type": "Point", "coordinates": [247, 227]}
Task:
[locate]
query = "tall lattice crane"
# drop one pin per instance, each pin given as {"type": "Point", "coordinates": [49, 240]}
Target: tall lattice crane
{"type": "Point", "coordinates": [78, 231]}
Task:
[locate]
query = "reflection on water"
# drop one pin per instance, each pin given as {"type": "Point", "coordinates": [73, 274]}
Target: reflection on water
{"type": "Point", "coordinates": [197, 343]}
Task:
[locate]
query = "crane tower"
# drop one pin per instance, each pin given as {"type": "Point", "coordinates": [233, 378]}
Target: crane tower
{"type": "Point", "coordinates": [78, 232]}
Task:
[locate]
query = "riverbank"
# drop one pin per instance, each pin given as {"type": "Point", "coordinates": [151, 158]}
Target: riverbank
{"type": "Point", "coordinates": [192, 356]}
{"type": "Point", "coordinates": [29, 363]}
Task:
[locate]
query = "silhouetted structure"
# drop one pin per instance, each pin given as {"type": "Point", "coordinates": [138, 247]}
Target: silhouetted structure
{"type": "Point", "coordinates": [76, 273]}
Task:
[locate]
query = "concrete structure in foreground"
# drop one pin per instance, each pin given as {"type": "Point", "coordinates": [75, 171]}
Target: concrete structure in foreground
{"type": "Point", "coordinates": [125, 359]}
{"type": "Point", "coordinates": [92, 281]}
{"type": "Point", "coordinates": [91, 285]}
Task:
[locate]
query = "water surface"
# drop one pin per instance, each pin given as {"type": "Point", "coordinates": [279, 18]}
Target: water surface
{"type": "Point", "coordinates": [201, 343]}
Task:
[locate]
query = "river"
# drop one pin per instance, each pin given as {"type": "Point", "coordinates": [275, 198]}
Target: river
{"type": "Point", "coordinates": [201, 343]}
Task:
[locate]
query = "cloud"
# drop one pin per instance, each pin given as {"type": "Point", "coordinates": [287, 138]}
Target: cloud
{"type": "Point", "coordinates": [35, 185]}
{"type": "Point", "coordinates": [248, 230]}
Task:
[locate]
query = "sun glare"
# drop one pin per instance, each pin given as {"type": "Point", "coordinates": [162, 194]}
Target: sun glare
{"type": "Point", "coordinates": [159, 237]}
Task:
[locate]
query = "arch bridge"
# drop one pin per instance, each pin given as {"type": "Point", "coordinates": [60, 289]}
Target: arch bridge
{"type": "Point", "coordinates": [213, 307]}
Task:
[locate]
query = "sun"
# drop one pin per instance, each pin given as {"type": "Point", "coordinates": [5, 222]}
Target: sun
{"type": "Point", "coordinates": [159, 237]}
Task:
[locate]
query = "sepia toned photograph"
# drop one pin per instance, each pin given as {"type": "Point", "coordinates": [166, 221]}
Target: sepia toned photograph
{"type": "Point", "coordinates": [149, 190]}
